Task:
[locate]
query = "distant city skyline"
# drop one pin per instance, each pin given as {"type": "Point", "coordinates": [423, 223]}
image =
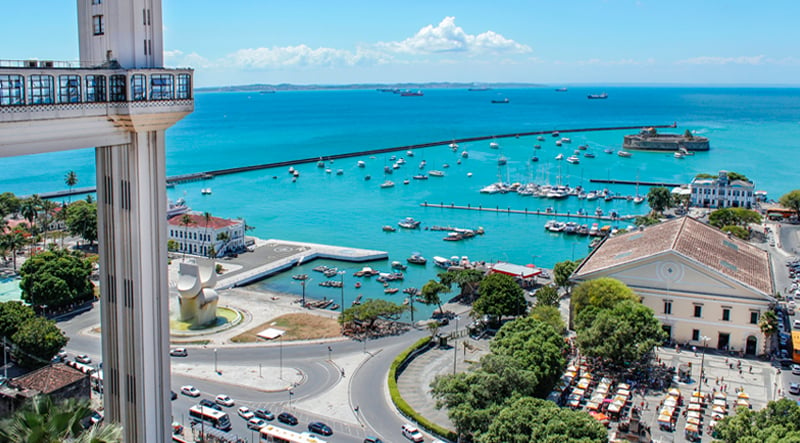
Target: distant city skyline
{"type": "Point", "coordinates": [345, 42]}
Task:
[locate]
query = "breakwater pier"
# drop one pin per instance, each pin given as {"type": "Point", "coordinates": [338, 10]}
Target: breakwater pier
{"type": "Point", "coordinates": [206, 175]}
{"type": "Point", "coordinates": [527, 211]}
{"type": "Point", "coordinates": [634, 182]}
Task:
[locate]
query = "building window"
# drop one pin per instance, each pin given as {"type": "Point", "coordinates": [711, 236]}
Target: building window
{"type": "Point", "coordinates": [97, 2]}
{"type": "Point", "coordinates": [69, 89]}
{"type": "Point", "coordinates": [97, 25]}
{"type": "Point", "coordinates": [668, 307]}
{"type": "Point", "coordinates": [117, 88]}
{"type": "Point", "coordinates": [184, 86]}
{"type": "Point", "coordinates": [754, 318]}
{"type": "Point", "coordinates": [12, 90]}
{"type": "Point", "coordinates": [95, 88]}
{"type": "Point", "coordinates": [138, 92]}
{"type": "Point", "coordinates": [698, 311]}
{"type": "Point", "coordinates": [726, 314]}
{"type": "Point", "coordinates": [40, 89]}
{"type": "Point", "coordinates": [695, 334]}
{"type": "Point", "coordinates": [161, 87]}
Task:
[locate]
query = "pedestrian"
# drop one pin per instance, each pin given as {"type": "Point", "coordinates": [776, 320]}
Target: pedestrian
{"type": "Point", "coordinates": [740, 371]}
{"type": "Point", "coordinates": [751, 369]}
{"type": "Point", "coordinates": [342, 372]}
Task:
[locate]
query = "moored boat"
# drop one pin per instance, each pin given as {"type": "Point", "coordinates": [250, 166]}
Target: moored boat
{"type": "Point", "coordinates": [494, 145]}
{"type": "Point", "coordinates": [408, 223]}
{"type": "Point", "coordinates": [624, 153]}
{"type": "Point", "coordinates": [388, 228]}
{"type": "Point", "coordinates": [574, 159]}
{"type": "Point", "coordinates": [436, 173]}
{"type": "Point", "coordinates": [417, 259]}
{"type": "Point", "coordinates": [387, 184]}
{"type": "Point", "coordinates": [597, 96]}
{"type": "Point", "coordinates": [441, 262]}
{"type": "Point", "coordinates": [300, 276]}
{"type": "Point", "coordinates": [398, 265]}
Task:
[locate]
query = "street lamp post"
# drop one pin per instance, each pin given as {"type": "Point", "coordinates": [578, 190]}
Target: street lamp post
{"type": "Point", "coordinates": [215, 361]}
{"type": "Point", "coordinates": [455, 348]}
{"type": "Point", "coordinates": [280, 354]}
{"type": "Point", "coordinates": [341, 273]}
{"type": "Point", "coordinates": [303, 284]}
{"type": "Point", "coordinates": [291, 393]}
{"type": "Point", "coordinates": [329, 352]}
{"type": "Point", "coordinates": [704, 339]}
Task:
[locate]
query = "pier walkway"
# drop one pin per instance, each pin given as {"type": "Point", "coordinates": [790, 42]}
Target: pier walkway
{"type": "Point", "coordinates": [206, 175]}
{"type": "Point", "coordinates": [273, 256]}
{"type": "Point", "coordinates": [633, 182]}
{"type": "Point", "coordinates": [527, 212]}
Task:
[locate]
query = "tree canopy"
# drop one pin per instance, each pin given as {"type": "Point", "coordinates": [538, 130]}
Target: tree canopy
{"type": "Point", "coordinates": [530, 419]}
{"type": "Point", "coordinates": [466, 279]}
{"type": "Point", "coordinates": [602, 293]}
{"type": "Point", "coordinates": [40, 419]}
{"type": "Point", "coordinates": [368, 312]}
{"type": "Point", "coordinates": [56, 278]}
{"type": "Point", "coordinates": [738, 231]}
{"type": "Point", "coordinates": [547, 296]}
{"type": "Point", "coordinates": [82, 220]}
{"type": "Point", "coordinates": [562, 271]}
{"type": "Point", "coordinates": [733, 216]}
{"type": "Point", "coordinates": [778, 422]}
{"type": "Point", "coordinates": [791, 200]}
{"type": "Point", "coordinates": [430, 293]}
{"type": "Point", "coordinates": [12, 315]}
{"type": "Point", "coordinates": [37, 341]}
{"type": "Point", "coordinates": [499, 296]}
{"type": "Point", "coordinates": [550, 315]}
{"type": "Point", "coordinates": [659, 198]}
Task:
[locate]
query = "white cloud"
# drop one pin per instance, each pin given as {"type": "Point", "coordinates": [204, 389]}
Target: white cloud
{"type": "Point", "coordinates": [742, 60]}
{"type": "Point", "coordinates": [447, 37]}
{"type": "Point", "coordinates": [620, 62]}
{"type": "Point", "coordinates": [302, 56]}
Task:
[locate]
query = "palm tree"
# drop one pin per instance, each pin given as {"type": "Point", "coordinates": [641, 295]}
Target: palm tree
{"type": "Point", "coordinates": [224, 237]}
{"type": "Point", "coordinates": [769, 326]}
{"type": "Point", "coordinates": [41, 420]}
{"type": "Point", "coordinates": [71, 179]}
{"type": "Point", "coordinates": [48, 207]}
{"type": "Point", "coordinates": [13, 241]}
{"type": "Point", "coordinates": [29, 209]}
{"type": "Point", "coordinates": [185, 222]}
{"type": "Point", "coordinates": [106, 433]}
{"type": "Point", "coordinates": [207, 217]}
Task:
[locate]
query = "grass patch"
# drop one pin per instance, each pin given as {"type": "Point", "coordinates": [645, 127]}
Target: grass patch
{"type": "Point", "coordinates": [297, 327]}
{"type": "Point", "coordinates": [224, 316]}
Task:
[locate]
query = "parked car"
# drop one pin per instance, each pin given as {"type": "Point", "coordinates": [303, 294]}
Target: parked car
{"type": "Point", "coordinates": [796, 369]}
{"type": "Point", "coordinates": [289, 419]}
{"type": "Point", "coordinates": [83, 358]}
{"type": "Point", "coordinates": [256, 423]}
{"type": "Point", "coordinates": [206, 403]}
{"type": "Point", "coordinates": [264, 413]}
{"type": "Point", "coordinates": [794, 388]}
{"type": "Point", "coordinates": [179, 352]}
{"type": "Point", "coordinates": [190, 390]}
{"type": "Point", "coordinates": [372, 440]}
{"type": "Point", "coordinates": [224, 400]}
{"type": "Point", "coordinates": [318, 427]}
{"type": "Point", "coordinates": [412, 433]}
{"type": "Point", "coordinates": [246, 413]}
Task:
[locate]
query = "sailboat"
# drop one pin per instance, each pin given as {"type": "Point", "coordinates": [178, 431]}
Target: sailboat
{"type": "Point", "coordinates": [638, 199]}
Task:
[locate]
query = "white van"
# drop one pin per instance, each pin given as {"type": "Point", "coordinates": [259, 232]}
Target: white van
{"type": "Point", "coordinates": [412, 433]}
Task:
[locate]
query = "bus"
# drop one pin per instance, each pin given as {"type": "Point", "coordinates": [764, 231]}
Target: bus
{"type": "Point", "coordinates": [274, 434]}
{"type": "Point", "coordinates": [217, 419]}
{"type": "Point", "coordinates": [796, 346]}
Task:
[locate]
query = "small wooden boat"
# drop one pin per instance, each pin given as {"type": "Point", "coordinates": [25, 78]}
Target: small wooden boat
{"type": "Point", "coordinates": [391, 290]}
{"type": "Point", "coordinates": [358, 284]}
{"type": "Point", "coordinates": [300, 276]}
{"type": "Point", "coordinates": [334, 307]}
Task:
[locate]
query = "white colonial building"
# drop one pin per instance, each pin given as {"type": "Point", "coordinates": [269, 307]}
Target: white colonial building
{"type": "Point", "coordinates": [201, 233]}
{"type": "Point", "coordinates": [705, 287]}
{"type": "Point", "coordinates": [720, 192]}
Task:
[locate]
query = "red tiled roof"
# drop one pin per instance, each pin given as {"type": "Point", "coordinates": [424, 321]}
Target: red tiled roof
{"type": "Point", "coordinates": [199, 221]}
{"type": "Point", "coordinates": [49, 378]}
{"type": "Point", "coordinates": [695, 240]}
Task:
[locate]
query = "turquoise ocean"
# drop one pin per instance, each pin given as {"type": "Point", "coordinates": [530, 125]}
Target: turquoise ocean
{"type": "Point", "coordinates": [753, 131]}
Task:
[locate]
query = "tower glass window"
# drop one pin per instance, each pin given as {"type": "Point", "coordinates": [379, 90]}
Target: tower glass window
{"type": "Point", "coordinates": [98, 28]}
{"type": "Point", "coordinates": [117, 88]}
{"type": "Point", "coordinates": [184, 86]}
{"type": "Point", "coordinates": [40, 89]}
{"type": "Point", "coordinates": [12, 90]}
{"type": "Point", "coordinates": [161, 87]}
{"type": "Point", "coordinates": [138, 92]}
{"type": "Point", "coordinates": [69, 89]}
{"type": "Point", "coordinates": [95, 88]}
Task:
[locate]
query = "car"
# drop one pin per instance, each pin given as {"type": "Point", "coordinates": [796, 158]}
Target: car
{"type": "Point", "coordinates": [796, 324]}
{"type": "Point", "coordinates": [289, 419]}
{"type": "Point", "coordinates": [256, 423]}
{"type": "Point", "coordinates": [246, 413]}
{"type": "Point", "coordinates": [190, 390]}
{"type": "Point", "coordinates": [264, 413]}
{"type": "Point", "coordinates": [172, 395]}
{"type": "Point", "coordinates": [83, 358]}
{"type": "Point", "coordinates": [224, 400]}
{"type": "Point", "coordinates": [318, 427]}
{"type": "Point", "coordinates": [412, 433]}
{"type": "Point", "coordinates": [794, 388]}
{"type": "Point", "coordinates": [58, 358]}
{"type": "Point", "coordinates": [178, 352]}
{"type": "Point", "coordinates": [206, 403]}
{"type": "Point", "coordinates": [796, 369]}
{"type": "Point", "coordinates": [372, 440]}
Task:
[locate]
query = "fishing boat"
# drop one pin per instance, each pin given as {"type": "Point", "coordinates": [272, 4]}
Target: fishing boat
{"type": "Point", "coordinates": [367, 177]}
{"type": "Point", "coordinates": [387, 184]}
{"type": "Point", "coordinates": [408, 223]}
{"type": "Point", "coordinates": [416, 259]}
{"type": "Point", "coordinates": [398, 265]}
{"type": "Point", "coordinates": [624, 153]}
{"type": "Point", "coordinates": [534, 159]}
{"type": "Point", "coordinates": [583, 147]}
{"type": "Point", "coordinates": [597, 96]}
{"type": "Point", "coordinates": [561, 89]}
{"type": "Point", "coordinates": [334, 307]}
{"type": "Point", "coordinates": [411, 94]}
{"type": "Point", "coordinates": [436, 173]}
{"type": "Point", "coordinates": [453, 236]}
{"type": "Point", "coordinates": [388, 228]}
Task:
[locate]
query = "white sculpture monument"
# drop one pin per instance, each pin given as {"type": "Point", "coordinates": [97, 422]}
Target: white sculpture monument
{"type": "Point", "coordinates": [198, 299]}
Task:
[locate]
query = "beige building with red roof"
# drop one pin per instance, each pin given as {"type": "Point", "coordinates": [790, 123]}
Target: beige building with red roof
{"type": "Point", "coordinates": [201, 233]}
{"type": "Point", "coordinates": [699, 281]}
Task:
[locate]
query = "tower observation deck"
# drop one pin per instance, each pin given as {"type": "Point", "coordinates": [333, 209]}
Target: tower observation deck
{"type": "Point", "coordinates": [120, 105]}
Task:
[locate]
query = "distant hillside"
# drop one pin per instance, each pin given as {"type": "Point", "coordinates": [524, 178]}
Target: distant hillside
{"type": "Point", "coordinates": [290, 87]}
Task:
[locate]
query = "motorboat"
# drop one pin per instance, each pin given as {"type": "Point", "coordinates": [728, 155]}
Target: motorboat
{"type": "Point", "coordinates": [410, 153]}
{"type": "Point", "coordinates": [566, 140]}
{"type": "Point", "coordinates": [574, 159]}
{"type": "Point", "coordinates": [422, 164]}
{"type": "Point", "coordinates": [361, 163]}
{"type": "Point", "coordinates": [678, 154]}
{"type": "Point", "coordinates": [540, 138]}
{"type": "Point", "coordinates": [406, 181]}
{"type": "Point", "coordinates": [558, 142]}
{"type": "Point", "coordinates": [557, 227]}
{"type": "Point", "coordinates": [320, 164]}
{"type": "Point", "coordinates": [367, 177]}
{"type": "Point", "coordinates": [416, 259]}
{"type": "Point", "coordinates": [534, 159]}
{"type": "Point", "coordinates": [608, 151]}
{"type": "Point", "coordinates": [387, 184]}
{"type": "Point", "coordinates": [436, 173]}
{"type": "Point", "coordinates": [339, 171]}
{"type": "Point", "coordinates": [494, 145]}
{"type": "Point", "coordinates": [561, 89]}
{"type": "Point", "coordinates": [389, 228]}
{"type": "Point", "coordinates": [583, 147]}
{"type": "Point", "coordinates": [571, 228]}
{"type": "Point", "coordinates": [638, 199]}
{"type": "Point", "coordinates": [408, 223]}
{"type": "Point", "coordinates": [560, 157]}
{"type": "Point", "coordinates": [387, 169]}
{"type": "Point", "coordinates": [420, 177]}
{"type": "Point", "coordinates": [597, 96]}
{"type": "Point", "coordinates": [624, 153]}
{"type": "Point", "coordinates": [205, 191]}
{"type": "Point", "coordinates": [300, 277]}
{"type": "Point", "coordinates": [464, 154]}
{"type": "Point", "coordinates": [179, 207]}
{"type": "Point", "coordinates": [328, 171]}
{"type": "Point", "coordinates": [537, 146]}
{"type": "Point", "coordinates": [505, 100]}
{"type": "Point", "coordinates": [441, 262]}
{"type": "Point", "coordinates": [454, 146]}
{"type": "Point", "coordinates": [588, 155]}
{"type": "Point", "coordinates": [453, 236]}
{"type": "Point", "coordinates": [591, 196]}
{"type": "Point", "coordinates": [502, 161]}
{"type": "Point", "coordinates": [398, 265]}
{"type": "Point", "coordinates": [594, 231]}
{"type": "Point", "coordinates": [446, 165]}
{"type": "Point", "coordinates": [469, 174]}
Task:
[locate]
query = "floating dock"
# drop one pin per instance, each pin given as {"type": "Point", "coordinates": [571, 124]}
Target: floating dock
{"type": "Point", "coordinates": [528, 212]}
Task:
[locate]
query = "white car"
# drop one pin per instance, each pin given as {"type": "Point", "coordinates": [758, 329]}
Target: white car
{"type": "Point", "coordinates": [224, 400]}
{"type": "Point", "coordinates": [190, 390]}
{"type": "Point", "coordinates": [256, 423]}
{"type": "Point", "coordinates": [179, 352]}
{"type": "Point", "coordinates": [796, 369]}
{"type": "Point", "coordinates": [794, 388]}
{"type": "Point", "coordinates": [83, 358]}
{"type": "Point", "coordinates": [246, 413]}
{"type": "Point", "coordinates": [412, 433]}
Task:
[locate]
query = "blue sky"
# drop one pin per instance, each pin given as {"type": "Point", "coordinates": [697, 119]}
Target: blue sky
{"type": "Point", "coordinates": [552, 42]}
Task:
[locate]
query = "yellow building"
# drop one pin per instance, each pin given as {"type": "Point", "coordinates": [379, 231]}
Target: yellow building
{"type": "Point", "coordinates": [706, 287]}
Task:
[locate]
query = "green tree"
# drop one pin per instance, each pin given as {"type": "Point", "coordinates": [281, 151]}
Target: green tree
{"type": "Point", "coordinates": [56, 278]}
{"type": "Point", "coordinates": [173, 245]}
{"type": "Point", "coordinates": [367, 313]}
{"type": "Point", "coordinates": [29, 209]}
{"type": "Point", "coordinates": [12, 315]}
{"type": "Point", "coordinates": [499, 296]}
{"type": "Point", "coordinates": [430, 293]}
{"type": "Point", "coordinates": [778, 422]}
{"type": "Point", "coordinates": [9, 204]}
{"type": "Point", "coordinates": [659, 198]}
{"type": "Point", "coordinates": [733, 176]}
{"type": "Point", "coordinates": [207, 219]}
{"type": "Point", "coordinates": [738, 231]}
{"type": "Point", "coordinates": [547, 296]}
{"type": "Point", "coordinates": [561, 273]}
{"type": "Point", "coordinates": [82, 220]}
{"type": "Point", "coordinates": [646, 220]}
{"type": "Point", "coordinates": [791, 200]}
{"type": "Point", "coordinates": [534, 420]}
{"type": "Point", "coordinates": [37, 341]}
{"type": "Point", "coordinates": [603, 293]}
{"type": "Point", "coordinates": [733, 216]}
{"type": "Point", "coordinates": [41, 420]}
{"type": "Point", "coordinates": [467, 280]}
{"type": "Point", "coordinates": [768, 323]}
{"type": "Point", "coordinates": [48, 210]}
{"type": "Point", "coordinates": [104, 433]}
{"type": "Point", "coordinates": [550, 315]}
{"type": "Point", "coordinates": [621, 335]}
{"type": "Point", "coordinates": [71, 179]}
{"type": "Point", "coordinates": [13, 241]}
